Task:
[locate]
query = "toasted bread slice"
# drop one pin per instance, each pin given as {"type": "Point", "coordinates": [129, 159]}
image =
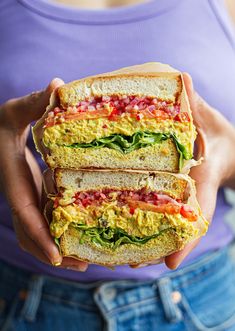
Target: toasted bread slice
{"type": "Point", "coordinates": [163, 156]}
{"type": "Point", "coordinates": [177, 186]}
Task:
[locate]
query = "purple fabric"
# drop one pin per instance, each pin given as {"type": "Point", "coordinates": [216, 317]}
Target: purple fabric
{"type": "Point", "coordinates": [40, 40]}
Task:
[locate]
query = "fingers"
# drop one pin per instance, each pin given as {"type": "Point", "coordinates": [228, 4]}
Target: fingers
{"type": "Point", "coordinates": [73, 264]}
{"type": "Point", "coordinates": [48, 182]}
{"type": "Point", "coordinates": [152, 262]}
{"type": "Point", "coordinates": [24, 201]}
{"type": "Point", "coordinates": [172, 261]}
{"type": "Point", "coordinates": [36, 229]}
{"type": "Point", "coordinates": [32, 106]}
{"type": "Point", "coordinates": [35, 169]}
{"type": "Point", "coordinates": [205, 189]}
{"type": "Point", "coordinates": [29, 246]}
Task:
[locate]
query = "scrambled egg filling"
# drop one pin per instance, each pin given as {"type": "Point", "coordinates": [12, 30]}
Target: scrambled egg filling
{"type": "Point", "coordinates": [85, 131]}
{"type": "Point", "coordinates": [141, 223]}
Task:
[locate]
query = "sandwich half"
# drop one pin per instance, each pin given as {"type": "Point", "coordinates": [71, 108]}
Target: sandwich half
{"type": "Point", "coordinates": [134, 118]}
{"type": "Point", "coordinates": [110, 217]}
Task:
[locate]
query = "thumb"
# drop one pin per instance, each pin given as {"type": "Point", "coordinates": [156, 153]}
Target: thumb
{"type": "Point", "coordinates": [20, 112]}
{"type": "Point", "coordinates": [206, 196]}
{"type": "Point", "coordinates": [197, 104]}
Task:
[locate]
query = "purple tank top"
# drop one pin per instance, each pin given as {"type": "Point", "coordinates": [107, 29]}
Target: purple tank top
{"type": "Point", "coordinates": [40, 40]}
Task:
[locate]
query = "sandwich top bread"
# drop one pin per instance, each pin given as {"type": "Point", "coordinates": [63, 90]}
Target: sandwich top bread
{"type": "Point", "coordinates": [133, 118]}
{"type": "Point", "coordinates": [113, 217]}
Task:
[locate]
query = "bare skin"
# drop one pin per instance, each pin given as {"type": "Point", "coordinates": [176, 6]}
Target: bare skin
{"type": "Point", "coordinates": [21, 179]}
{"type": "Point", "coordinates": [99, 4]}
{"type": "Point", "coordinates": [102, 4]}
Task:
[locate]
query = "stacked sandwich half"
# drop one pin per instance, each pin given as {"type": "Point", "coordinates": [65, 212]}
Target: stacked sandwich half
{"type": "Point", "coordinates": [119, 144]}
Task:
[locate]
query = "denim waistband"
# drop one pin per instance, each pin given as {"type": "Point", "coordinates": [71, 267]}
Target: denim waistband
{"type": "Point", "coordinates": [103, 295]}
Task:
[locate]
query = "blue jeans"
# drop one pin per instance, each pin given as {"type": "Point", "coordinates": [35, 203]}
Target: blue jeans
{"type": "Point", "coordinates": [200, 296]}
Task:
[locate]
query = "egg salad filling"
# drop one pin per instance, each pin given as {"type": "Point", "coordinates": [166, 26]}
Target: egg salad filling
{"type": "Point", "coordinates": [111, 218]}
{"type": "Point", "coordinates": [121, 123]}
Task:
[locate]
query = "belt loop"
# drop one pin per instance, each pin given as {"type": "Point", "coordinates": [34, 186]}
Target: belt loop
{"type": "Point", "coordinates": [33, 298]}
{"type": "Point", "coordinates": [171, 310]}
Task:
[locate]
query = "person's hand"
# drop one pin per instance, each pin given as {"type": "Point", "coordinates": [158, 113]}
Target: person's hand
{"type": "Point", "coordinates": [21, 179]}
{"type": "Point", "coordinates": [215, 143]}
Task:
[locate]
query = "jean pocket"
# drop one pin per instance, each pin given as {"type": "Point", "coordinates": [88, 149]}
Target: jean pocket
{"type": "Point", "coordinates": [210, 311]}
{"type": "Point", "coordinates": [145, 315]}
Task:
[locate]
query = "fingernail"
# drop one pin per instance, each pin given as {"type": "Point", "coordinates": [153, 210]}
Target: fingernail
{"type": "Point", "coordinates": [57, 81]}
{"type": "Point", "coordinates": [56, 264]}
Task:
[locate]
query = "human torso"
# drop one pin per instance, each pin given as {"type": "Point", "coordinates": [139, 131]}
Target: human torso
{"type": "Point", "coordinates": [49, 41]}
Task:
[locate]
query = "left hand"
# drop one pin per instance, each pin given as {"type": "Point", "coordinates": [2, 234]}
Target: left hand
{"type": "Point", "coordinates": [215, 143]}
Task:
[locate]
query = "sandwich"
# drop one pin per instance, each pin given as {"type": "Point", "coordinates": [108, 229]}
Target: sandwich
{"type": "Point", "coordinates": [120, 146]}
{"type": "Point", "coordinates": [111, 217]}
{"type": "Point", "coordinates": [133, 118]}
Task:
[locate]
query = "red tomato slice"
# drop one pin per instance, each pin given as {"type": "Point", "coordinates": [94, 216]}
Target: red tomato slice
{"type": "Point", "coordinates": [167, 208]}
{"type": "Point", "coordinates": [187, 212]}
{"type": "Point", "coordinates": [86, 115]}
{"type": "Point", "coordinates": [182, 117]}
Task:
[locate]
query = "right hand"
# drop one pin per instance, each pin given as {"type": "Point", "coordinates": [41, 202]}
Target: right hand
{"type": "Point", "coordinates": [21, 178]}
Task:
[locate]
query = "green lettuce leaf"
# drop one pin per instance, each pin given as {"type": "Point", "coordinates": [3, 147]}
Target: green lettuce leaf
{"type": "Point", "coordinates": [109, 237]}
{"type": "Point", "coordinates": [57, 242]}
{"type": "Point", "coordinates": [183, 153]}
{"type": "Point", "coordinates": [127, 144]}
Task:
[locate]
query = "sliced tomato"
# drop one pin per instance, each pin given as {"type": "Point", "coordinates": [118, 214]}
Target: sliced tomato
{"type": "Point", "coordinates": [86, 115]}
{"type": "Point", "coordinates": [115, 114]}
{"type": "Point", "coordinates": [132, 210]}
{"type": "Point", "coordinates": [167, 208]}
{"type": "Point", "coordinates": [182, 117]}
{"type": "Point", "coordinates": [56, 202]}
{"type": "Point", "coordinates": [187, 212]}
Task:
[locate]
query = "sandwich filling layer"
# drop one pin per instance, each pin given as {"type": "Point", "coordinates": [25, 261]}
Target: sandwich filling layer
{"type": "Point", "coordinates": [109, 218]}
{"type": "Point", "coordinates": [113, 122]}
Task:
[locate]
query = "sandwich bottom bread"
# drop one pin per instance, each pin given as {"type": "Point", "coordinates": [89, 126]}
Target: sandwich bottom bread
{"type": "Point", "coordinates": [110, 217]}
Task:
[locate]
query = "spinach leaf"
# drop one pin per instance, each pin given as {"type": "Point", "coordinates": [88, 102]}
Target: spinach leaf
{"type": "Point", "coordinates": [111, 237]}
{"type": "Point", "coordinates": [57, 242]}
{"type": "Point", "coordinates": [126, 144]}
